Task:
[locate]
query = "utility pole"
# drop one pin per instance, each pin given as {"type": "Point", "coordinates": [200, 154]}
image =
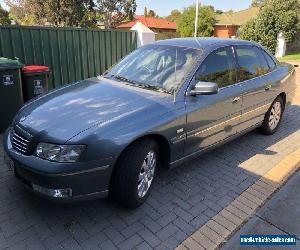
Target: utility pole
{"type": "Point", "coordinates": [196, 18]}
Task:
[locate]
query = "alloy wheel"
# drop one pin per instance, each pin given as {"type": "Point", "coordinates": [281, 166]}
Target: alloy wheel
{"type": "Point", "coordinates": [275, 115]}
{"type": "Point", "coordinates": [146, 174]}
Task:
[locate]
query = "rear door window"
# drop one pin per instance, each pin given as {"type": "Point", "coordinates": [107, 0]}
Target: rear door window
{"type": "Point", "coordinates": [251, 63]}
{"type": "Point", "coordinates": [270, 60]}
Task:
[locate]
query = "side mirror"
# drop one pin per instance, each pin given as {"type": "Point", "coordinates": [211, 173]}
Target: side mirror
{"type": "Point", "coordinates": [205, 88]}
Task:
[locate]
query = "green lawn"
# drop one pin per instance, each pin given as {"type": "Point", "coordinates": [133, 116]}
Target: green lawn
{"type": "Point", "coordinates": [292, 56]}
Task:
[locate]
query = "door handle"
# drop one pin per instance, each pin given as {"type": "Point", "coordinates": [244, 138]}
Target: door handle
{"type": "Point", "coordinates": [236, 99]}
{"type": "Point", "coordinates": [268, 87]}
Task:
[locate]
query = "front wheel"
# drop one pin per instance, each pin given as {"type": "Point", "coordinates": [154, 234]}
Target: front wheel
{"type": "Point", "coordinates": [273, 117]}
{"type": "Point", "coordinates": [134, 173]}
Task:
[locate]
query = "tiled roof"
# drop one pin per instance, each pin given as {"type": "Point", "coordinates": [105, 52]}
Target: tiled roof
{"type": "Point", "coordinates": [150, 22]}
{"type": "Point", "coordinates": [237, 18]}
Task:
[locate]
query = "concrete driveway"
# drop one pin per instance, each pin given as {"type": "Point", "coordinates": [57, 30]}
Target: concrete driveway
{"type": "Point", "coordinates": [181, 201]}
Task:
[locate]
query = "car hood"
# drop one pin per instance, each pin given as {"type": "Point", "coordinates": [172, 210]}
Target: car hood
{"type": "Point", "coordinates": [64, 113]}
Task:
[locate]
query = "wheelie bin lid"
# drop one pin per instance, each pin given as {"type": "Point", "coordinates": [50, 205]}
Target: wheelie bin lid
{"type": "Point", "coordinates": [31, 70]}
{"type": "Point", "coordinates": [34, 68]}
{"type": "Point", "coordinates": [6, 63]}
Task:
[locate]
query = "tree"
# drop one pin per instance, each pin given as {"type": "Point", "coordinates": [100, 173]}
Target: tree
{"type": "Point", "coordinates": [71, 12]}
{"type": "Point", "coordinates": [151, 13]}
{"type": "Point", "coordinates": [64, 12]}
{"type": "Point", "coordinates": [114, 11]}
{"type": "Point", "coordinates": [57, 12]}
{"type": "Point", "coordinates": [275, 16]}
{"type": "Point", "coordinates": [129, 9]}
{"type": "Point", "coordinates": [257, 3]}
{"type": "Point", "coordinates": [26, 12]}
{"type": "Point", "coordinates": [89, 18]}
{"type": "Point", "coordinates": [248, 31]}
{"type": "Point", "coordinates": [4, 16]}
{"type": "Point", "coordinates": [186, 21]}
{"type": "Point", "coordinates": [174, 16]}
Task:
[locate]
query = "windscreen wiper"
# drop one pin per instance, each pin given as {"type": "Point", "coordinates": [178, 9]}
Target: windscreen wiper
{"type": "Point", "coordinates": [118, 77]}
{"type": "Point", "coordinates": [122, 78]}
{"type": "Point", "coordinates": [155, 87]}
{"type": "Point", "coordinates": [137, 84]}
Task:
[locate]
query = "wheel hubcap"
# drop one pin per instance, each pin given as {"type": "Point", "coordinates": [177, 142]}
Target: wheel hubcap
{"type": "Point", "coordinates": [275, 115]}
{"type": "Point", "coordinates": [146, 174]}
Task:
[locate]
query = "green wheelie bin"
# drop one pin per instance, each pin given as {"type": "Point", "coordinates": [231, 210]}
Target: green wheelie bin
{"type": "Point", "coordinates": [11, 97]}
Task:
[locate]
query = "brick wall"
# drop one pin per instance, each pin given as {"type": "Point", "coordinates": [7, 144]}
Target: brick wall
{"type": "Point", "coordinates": [225, 31]}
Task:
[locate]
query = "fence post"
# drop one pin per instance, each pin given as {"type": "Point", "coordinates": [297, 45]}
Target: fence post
{"type": "Point", "coordinates": [281, 45]}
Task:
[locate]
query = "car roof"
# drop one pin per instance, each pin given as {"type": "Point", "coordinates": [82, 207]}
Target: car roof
{"type": "Point", "coordinates": [203, 43]}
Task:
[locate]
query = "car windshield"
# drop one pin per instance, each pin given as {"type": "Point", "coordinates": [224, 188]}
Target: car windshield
{"type": "Point", "coordinates": [157, 67]}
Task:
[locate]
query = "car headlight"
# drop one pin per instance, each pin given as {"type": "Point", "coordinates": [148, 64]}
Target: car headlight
{"type": "Point", "coordinates": [59, 153]}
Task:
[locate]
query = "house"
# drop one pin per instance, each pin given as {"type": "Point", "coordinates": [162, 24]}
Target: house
{"type": "Point", "coordinates": [144, 34]}
{"type": "Point", "coordinates": [158, 25]}
{"type": "Point", "coordinates": [228, 23]}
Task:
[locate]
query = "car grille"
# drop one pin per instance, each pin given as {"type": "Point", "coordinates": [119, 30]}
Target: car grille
{"type": "Point", "coordinates": [19, 142]}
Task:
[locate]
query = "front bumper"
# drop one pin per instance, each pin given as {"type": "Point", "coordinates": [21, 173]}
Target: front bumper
{"type": "Point", "coordinates": [82, 180]}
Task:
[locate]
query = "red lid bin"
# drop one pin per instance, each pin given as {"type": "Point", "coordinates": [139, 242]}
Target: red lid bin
{"type": "Point", "coordinates": [35, 68]}
{"type": "Point", "coordinates": [34, 80]}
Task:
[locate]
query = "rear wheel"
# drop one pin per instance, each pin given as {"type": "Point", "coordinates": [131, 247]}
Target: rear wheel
{"type": "Point", "coordinates": [273, 117]}
{"type": "Point", "coordinates": [134, 173]}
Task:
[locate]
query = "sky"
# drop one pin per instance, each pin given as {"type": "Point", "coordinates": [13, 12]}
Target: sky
{"type": "Point", "coordinates": [3, 4]}
{"type": "Point", "coordinates": [164, 7]}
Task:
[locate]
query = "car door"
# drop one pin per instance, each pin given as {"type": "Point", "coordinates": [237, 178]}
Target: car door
{"type": "Point", "coordinates": [213, 118]}
{"type": "Point", "coordinates": [256, 82]}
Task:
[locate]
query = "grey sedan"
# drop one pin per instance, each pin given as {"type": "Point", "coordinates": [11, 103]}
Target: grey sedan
{"type": "Point", "coordinates": [163, 104]}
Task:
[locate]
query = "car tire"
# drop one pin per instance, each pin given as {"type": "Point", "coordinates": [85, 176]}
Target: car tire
{"type": "Point", "coordinates": [133, 172]}
{"type": "Point", "coordinates": [273, 117]}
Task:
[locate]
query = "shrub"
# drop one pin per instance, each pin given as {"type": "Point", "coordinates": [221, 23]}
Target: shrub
{"type": "Point", "coordinates": [166, 35]}
{"type": "Point", "coordinates": [275, 16]}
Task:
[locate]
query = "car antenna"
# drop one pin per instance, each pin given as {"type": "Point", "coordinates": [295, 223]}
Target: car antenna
{"type": "Point", "coordinates": [174, 93]}
{"type": "Point", "coordinates": [174, 96]}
